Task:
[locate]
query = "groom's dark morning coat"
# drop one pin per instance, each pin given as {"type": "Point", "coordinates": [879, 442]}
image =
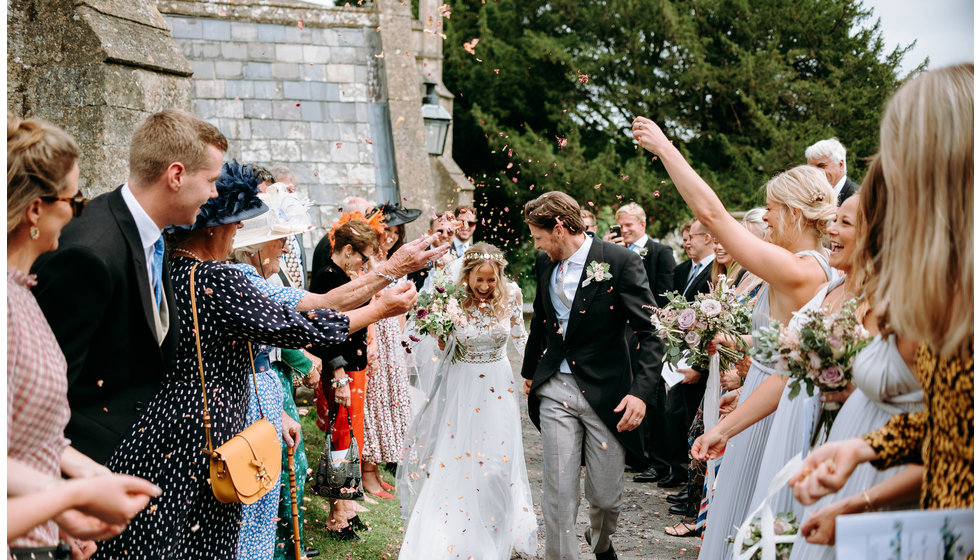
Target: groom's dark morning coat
{"type": "Point", "coordinates": [594, 345]}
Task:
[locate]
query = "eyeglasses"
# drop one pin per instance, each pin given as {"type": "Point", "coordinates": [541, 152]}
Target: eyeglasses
{"type": "Point", "coordinates": [468, 223]}
{"type": "Point", "coordinates": [77, 202]}
{"type": "Point", "coordinates": [364, 257]}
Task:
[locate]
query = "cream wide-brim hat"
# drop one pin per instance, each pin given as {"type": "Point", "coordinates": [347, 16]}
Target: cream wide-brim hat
{"type": "Point", "coordinates": [287, 216]}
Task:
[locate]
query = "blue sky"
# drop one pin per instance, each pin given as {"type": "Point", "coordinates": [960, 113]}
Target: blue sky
{"type": "Point", "coordinates": [943, 28]}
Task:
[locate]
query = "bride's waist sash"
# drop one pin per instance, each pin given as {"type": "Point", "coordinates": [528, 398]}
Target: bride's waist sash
{"type": "Point", "coordinates": [483, 357]}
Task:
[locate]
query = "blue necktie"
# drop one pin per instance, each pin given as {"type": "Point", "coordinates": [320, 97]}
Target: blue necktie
{"type": "Point", "coordinates": [157, 279]}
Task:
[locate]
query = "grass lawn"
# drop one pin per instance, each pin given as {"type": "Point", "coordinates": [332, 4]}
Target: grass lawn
{"type": "Point", "coordinates": [385, 537]}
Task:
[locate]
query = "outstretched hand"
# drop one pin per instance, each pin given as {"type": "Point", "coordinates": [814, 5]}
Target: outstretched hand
{"type": "Point", "coordinates": [633, 409]}
{"type": "Point", "coordinates": [413, 256]}
{"type": "Point", "coordinates": [827, 468]}
{"type": "Point", "coordinates": [649, 136]}
{"type": "Point", "coordinates": [709, 445]}
{"type": "Point", "coordinates": [398, 300]}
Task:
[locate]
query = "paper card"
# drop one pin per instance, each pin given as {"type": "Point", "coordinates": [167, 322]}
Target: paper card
{"type": "Point", "coordinates": [671, 375]}
{"type": "Point", "coordinates": [906, 535]}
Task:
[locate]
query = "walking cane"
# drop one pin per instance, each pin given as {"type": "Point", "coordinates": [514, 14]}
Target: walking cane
{"type": "Point", "coordinates": [292, 500]}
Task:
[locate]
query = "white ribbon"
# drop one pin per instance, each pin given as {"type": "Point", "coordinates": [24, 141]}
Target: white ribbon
{"type": "Point", "coordinates": [709, 411]}
{"type": "Point", "coordinates": [769, 538]}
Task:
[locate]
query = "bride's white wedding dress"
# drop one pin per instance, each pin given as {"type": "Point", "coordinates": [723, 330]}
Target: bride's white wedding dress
{"type": "Point", "coordinates": [462, 480]}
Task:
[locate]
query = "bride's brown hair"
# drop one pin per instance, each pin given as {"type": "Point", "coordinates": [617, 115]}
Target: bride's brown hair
{"type": "Point", "coordinates": [475, 257]}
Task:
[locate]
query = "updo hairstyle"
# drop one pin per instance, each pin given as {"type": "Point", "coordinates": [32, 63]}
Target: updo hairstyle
{"type": "Point", "coordinates": [39, 157]}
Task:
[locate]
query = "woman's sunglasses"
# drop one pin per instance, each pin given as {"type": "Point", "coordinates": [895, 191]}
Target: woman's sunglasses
{"type": "Point", "coordinates": [77, 202]}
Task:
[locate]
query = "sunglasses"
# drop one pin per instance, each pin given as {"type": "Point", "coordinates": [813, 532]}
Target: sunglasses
{"type": "Point", "coordinates": [469, 223]}
{"type": "Point", "coordinates": [77, 202]}
{"type": "Point", "coordinates": [364, 257]}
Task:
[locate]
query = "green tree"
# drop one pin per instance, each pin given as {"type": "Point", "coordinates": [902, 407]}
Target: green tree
{"type": "Point", "coordinates": [545, 99]}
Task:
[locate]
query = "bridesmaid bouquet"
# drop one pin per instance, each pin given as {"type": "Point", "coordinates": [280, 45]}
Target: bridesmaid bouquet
{"type": "Point", "coordinates": [689, 327]}
{"type": "Point", "coordinates": [785, 526]}
{"type": "Point", "coordinates": [438, 313]}
{"type": "Point", "coordinates": [817, 354]}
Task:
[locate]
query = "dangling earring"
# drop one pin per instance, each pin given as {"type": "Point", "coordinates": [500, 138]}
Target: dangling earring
{"type": "Point", "coordinates": [35, 233]}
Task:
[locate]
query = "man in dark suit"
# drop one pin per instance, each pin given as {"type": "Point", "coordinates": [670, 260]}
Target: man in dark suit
{"type": "Point", "coordinates": [658, 259]}
{"type": "Point", "coordinates": [690, 279]}
{"type": "Point", "coordinates": [107, 291]}
{"type": "Point", "coordinates": [830, 157]}
{"type": "Point", "coordinates": [581, 392]}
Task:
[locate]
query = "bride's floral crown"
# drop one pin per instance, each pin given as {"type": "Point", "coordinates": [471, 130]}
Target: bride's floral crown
{"type": "Point", "coordinates": [499, 259]}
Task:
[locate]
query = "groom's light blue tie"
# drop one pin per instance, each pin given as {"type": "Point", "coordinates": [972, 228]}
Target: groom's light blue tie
{"type": "Point", "coordinates": [157, 265]}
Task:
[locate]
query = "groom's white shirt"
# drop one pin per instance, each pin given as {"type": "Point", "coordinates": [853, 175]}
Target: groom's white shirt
{"type": "Point", "coordinates": [575, 264]}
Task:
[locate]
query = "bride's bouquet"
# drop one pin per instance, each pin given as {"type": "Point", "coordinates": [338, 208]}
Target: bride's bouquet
{"type": "Point", "coordinates": [818, 353]}
{"type": "Point", "coordinates": [689, 327]}
{"type": "Point", "coordinates": [438, 313]}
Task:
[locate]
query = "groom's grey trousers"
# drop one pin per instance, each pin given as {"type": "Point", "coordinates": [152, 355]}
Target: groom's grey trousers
{"type": "Point", "coordinates": [568, 421]}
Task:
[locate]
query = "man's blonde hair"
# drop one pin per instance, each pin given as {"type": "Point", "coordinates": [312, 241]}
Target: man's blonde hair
{"type": "Point", "coordinates": [171, 136]}
{"type": "Point", "coordinates": [632, 209]}
{"type": "Point", "coordinates": [927, 235]}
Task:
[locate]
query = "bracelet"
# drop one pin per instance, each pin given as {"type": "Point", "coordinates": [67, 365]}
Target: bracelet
{"type": "Point", "coordinates": [867, 500]}
{"type": "Point", "coordinates": [339, 382]}
{"type": "Point", "coordinates": [385, 276]}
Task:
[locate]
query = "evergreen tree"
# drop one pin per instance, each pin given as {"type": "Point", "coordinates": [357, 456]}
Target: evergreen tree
{"type": "Point", "coordinates": [546, 98]}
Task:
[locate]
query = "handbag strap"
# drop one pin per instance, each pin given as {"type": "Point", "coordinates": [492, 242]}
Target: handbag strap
{"type": "Point", "coordinates": [200, 367]}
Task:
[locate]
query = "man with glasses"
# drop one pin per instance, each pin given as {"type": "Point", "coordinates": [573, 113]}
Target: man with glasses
{"type": "Point", "coordinates": [463, 240]}
{"type": "Point", "coordinates": [107, 291]}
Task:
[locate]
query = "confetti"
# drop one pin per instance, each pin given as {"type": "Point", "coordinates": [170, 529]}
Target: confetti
{"type": "Point", "coordinates": [469, 46]}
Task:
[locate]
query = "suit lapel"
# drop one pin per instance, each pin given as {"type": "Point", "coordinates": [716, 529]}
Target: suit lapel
{"type": "Point", "coordinates": [124, 219]}
{"type": "Point", "coordinates": [584, 294]}
{"type": "Point", "coordinates": [544, 284]}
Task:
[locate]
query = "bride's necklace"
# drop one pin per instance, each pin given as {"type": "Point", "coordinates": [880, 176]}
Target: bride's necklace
{"type": "Point", "coordinates": [187, 252]}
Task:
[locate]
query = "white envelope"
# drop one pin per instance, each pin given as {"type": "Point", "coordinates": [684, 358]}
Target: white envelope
{"type": "Point", "coordinates": [671, 375]}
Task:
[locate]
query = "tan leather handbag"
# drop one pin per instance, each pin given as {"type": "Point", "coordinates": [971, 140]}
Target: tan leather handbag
{"type": "Point", "coordinates": [248, 465]}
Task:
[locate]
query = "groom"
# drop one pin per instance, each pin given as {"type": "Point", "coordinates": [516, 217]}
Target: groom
{"type": "Point", "coordinates": [582, 395]}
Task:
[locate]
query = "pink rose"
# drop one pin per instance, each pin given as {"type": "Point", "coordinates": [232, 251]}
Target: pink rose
{"type": "Point", "coordinates": [701, 325]}
{"type": "Point", "coordinates": [832, 377]}
{"type": "Point", "coordinates": [692, 338]}
{"type": "Point", "coordinates": [686, 318]}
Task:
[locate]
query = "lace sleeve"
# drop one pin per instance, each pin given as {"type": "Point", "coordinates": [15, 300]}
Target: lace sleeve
{"type": "Point", "coordinates": [518, 333]}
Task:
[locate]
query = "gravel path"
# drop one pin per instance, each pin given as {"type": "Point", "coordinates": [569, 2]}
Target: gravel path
{"type": "Point", "coordinates": [641, 523]}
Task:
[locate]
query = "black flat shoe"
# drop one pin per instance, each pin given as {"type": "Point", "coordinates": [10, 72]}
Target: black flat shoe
{"type": "Point", "coordinates": [652, 475]}
{"type": "Point", "coordinates": [608, 554]}
{"type": "Point", "coordinates": [311, 552]}
{"type": "Point", "coordinates": [345, 534]}
{"type": "Point", "coordinates": [357, 524]}
{"type": "Point", "coordinates": [672, 482]}
{"type": "Point", "coordinates": [679, 509]}
{"type": "Point", "coordinates": [680, 498]}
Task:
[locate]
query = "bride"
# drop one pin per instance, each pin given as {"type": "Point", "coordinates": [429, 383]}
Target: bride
{"type": "Point", "coordinates": [462, 480]}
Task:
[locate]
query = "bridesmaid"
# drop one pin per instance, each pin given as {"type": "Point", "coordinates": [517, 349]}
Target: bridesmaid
{"type": "Point", "coordinates": [886, 386]}
{"type": "Point", "coordinates": [800, 206]}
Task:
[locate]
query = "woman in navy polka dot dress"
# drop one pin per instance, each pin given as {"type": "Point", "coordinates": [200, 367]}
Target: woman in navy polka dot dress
{"type": "Point", "coordinates": [164, 446]}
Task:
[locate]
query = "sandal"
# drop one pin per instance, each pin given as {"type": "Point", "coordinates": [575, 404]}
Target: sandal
{"type": "Point", "coordinates": [683, 529]}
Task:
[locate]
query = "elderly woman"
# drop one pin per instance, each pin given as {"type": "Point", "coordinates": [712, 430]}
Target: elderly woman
{"type": "Point", "coordinates": [164, 446]}
{"type": "Point", "coordinates": [42, 196]}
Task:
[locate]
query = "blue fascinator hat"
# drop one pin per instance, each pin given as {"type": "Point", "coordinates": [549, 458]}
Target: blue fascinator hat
{"type": "Point", "coordinates": [237, 198]}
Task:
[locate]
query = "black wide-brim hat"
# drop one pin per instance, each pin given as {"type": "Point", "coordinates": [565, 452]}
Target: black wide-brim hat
{"type": "Point", "coordinates": [395, 215]}
{"type": "Point", "coordinates": [237, 200]}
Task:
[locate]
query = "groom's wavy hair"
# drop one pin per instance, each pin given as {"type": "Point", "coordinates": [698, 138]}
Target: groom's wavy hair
{"type": "Point", "coordinates": [555, 209]}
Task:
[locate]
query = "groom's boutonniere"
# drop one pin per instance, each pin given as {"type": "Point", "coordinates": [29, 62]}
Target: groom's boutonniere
{"type": "Point", "coordinates": [643, 252]}
{"type": "Point", "coordinates": [597, 271]}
